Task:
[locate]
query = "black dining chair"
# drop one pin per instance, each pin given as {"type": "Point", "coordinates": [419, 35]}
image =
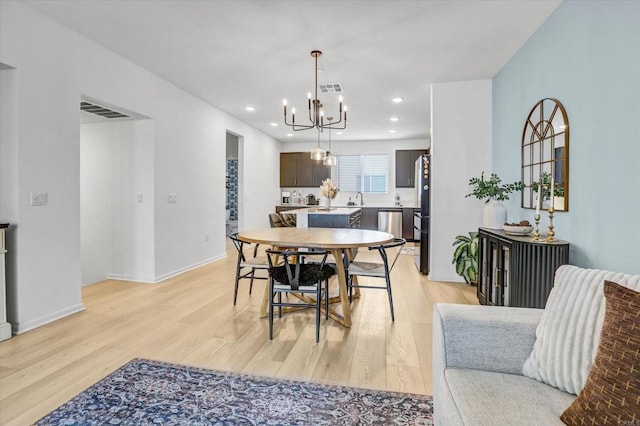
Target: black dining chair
{"type": "Point", "coordinates": [376, 269]}
{"type": "Point", "coordinates": [289, 273]}
{"type": "Point", "coordinates": [247, 266]}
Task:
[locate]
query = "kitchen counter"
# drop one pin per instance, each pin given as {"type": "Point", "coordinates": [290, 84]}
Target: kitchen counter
{"type": "Point", "coordinates": [289, 207]}
{"type": "Point", "coordinates": [320, 217]}
{"type": "Point", "coordinates": [323, 210]}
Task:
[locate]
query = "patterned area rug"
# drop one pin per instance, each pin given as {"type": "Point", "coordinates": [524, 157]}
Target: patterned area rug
{"type": "Point", "coordinates": [144, 392]}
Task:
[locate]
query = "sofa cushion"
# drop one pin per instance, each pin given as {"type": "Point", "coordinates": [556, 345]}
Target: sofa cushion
{"type": "Point", "coordinates": [611, 395]}
{"type": "Point", "coordinates": [568, 333]}
{"type": "Point", "coordinates": [477, 397]}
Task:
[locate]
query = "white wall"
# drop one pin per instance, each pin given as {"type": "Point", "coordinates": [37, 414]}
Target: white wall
{"type": "Point", "coordinates": [54, 68]}
{"type": "Point", "coordinates": [407, 195]}
{"type": "Point", "coordinates": [116, 166]}
{"type": "Point", "coordinates": [460, 149]}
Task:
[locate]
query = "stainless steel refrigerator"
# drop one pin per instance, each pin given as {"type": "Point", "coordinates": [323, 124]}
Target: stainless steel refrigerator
{"type": "Point", "coordinates": [421, 218]}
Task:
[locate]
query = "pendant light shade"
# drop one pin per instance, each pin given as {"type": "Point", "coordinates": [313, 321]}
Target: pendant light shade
{"type": "Point", "coordinates": [318, 153]}
{"type": "Point", "coordinates": [330, 160]}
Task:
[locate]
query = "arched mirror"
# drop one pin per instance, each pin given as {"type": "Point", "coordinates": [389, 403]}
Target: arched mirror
{"type": "Point", "coordinates": [545, 156]}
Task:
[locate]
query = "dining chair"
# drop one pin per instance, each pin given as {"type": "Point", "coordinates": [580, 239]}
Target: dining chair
{"type": "Point", "coordinates": [247, 266]}
{"type": "Point", "coordinates": [276, 220]}
{"type": "Point", "coordinates": [293, 275]}
{"type": "Point", "coordinates": [376, 269]}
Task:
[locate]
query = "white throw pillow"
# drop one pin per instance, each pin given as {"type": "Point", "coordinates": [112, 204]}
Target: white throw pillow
{"type": "Point", "coordinates": [568, 334]}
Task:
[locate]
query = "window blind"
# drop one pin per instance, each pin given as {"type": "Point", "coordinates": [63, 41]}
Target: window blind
{"type": "Point", "coordinates": [366, 173]}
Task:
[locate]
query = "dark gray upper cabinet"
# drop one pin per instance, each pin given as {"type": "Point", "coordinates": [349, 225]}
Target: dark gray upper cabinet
{"type": "Point", "coordinates": [288, 170]}
{"type": "Point", "coordinates": [405, 167]}
{"type": "Point", "coordinates": [297, 170]}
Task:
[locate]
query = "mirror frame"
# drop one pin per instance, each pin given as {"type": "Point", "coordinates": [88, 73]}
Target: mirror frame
{"type": "Point", "coordinates": [545, 154]}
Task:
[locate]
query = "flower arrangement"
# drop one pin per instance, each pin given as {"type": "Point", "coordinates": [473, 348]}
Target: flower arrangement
{"type": "Point", "coordinates": [329, 189]}
{"type": "Point", "coordinates": [491, 189]}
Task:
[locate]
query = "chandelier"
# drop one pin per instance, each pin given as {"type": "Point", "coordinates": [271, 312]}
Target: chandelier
{"type": "Point", "coordinates": [316, 115]}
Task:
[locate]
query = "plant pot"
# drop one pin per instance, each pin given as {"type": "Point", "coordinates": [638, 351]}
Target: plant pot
{"type": "Point", "coordinates": [494, 215]}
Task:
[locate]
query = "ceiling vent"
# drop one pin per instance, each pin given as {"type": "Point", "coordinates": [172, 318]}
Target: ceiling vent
{"type": "Point", "coordinates": [331, 88]}
{"type": "Point", "coordinates": [101, 111]}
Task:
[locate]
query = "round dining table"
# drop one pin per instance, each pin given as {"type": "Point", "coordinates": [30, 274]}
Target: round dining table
{"type": "Point", "coordinates": [337, 241]}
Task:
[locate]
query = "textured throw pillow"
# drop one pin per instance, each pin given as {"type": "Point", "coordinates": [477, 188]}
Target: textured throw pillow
{"type": "Point", "coordinates": [569, 330]}
{"type": "Point", "coordinates": [611, 395]}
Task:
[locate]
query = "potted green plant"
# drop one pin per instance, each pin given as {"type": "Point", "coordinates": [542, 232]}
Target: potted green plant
{"type": "Point", "coordinates": [465, 257]}
{"type": "Point", "coordinates": [492, 191]}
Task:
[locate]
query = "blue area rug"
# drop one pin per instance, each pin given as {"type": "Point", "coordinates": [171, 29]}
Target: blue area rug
{"type": "Point", "coordinates": [144, 392]}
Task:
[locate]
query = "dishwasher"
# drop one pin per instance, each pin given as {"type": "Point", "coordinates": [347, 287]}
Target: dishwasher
{"type": "Point", "coordinates": [390, 220]}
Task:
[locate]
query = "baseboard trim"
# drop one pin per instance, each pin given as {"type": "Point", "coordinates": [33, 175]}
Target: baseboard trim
{"type": "Point", "coordinates": [130, 278]}
{"type": "Point", "coordinates": [189, 268]}
{"type": "Point", "coordinates": [168, 275]}
{"type": "Point", "coordinates": [5, 331]}
{"type": "Point", "coordinates": [20, 328]}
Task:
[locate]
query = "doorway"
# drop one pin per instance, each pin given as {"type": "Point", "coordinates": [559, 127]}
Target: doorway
{"type": "Point", "coordinates": [232, 183]}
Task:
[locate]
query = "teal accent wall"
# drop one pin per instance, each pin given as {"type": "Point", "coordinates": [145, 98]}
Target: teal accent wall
{"type": "Point", "coordinates": [587, 55]}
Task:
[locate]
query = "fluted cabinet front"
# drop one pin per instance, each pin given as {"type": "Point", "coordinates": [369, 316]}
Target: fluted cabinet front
{"type": "Point", "coordinates": [515, 270]}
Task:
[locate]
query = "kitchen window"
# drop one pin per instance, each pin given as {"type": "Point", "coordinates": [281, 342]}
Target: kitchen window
{"type": "Point", "coordinates": [366, 173]}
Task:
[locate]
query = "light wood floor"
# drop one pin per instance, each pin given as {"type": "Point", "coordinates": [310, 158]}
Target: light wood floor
{"type": "Point", "coordinates": [190, 319]}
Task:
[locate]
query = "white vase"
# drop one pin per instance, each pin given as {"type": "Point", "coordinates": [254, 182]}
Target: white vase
{"type": "Point", "coordinates": [494, 215]}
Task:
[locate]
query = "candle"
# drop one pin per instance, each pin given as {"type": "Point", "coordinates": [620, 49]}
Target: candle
{"type": "Point", "coordinates": [552, 189]}
{"type": "Point", "coordinates": [538, 199]}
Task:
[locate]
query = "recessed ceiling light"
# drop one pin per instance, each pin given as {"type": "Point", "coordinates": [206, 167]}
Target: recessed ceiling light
{"type": "Point", "coordinates": [274, 124]}
{"type": "Point", "coordinates": [394, 118]}
{"type": "Point", "coordinates": [393, 131]}
{"type": "Point", "coordinates": [339, 133]}
{"type": "Point", "coordinates": [289, 134]}
{"type": "Point", "coordinates": [397, 100]}
{"type": "Point", "coordinates": [250, 108]}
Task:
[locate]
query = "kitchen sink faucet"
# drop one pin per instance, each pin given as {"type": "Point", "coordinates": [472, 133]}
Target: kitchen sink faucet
{"type": "Point", "coordinates": [359, 194]}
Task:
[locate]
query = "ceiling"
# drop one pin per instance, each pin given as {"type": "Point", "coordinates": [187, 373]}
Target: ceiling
{"type": "Point", "coordinates": [239, 53]}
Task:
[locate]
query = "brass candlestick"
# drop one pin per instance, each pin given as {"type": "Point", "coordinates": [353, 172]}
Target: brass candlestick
{"type": "Point", "coordinates": [536, 232]}
{"type": "Point", "coordinates": [550, 234]}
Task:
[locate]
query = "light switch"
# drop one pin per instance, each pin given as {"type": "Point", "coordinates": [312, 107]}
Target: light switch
{"type": "Point", "coordinates": [38, 198]}
{"type": "Point", "coordinates": [173, 198]}
{"type": "Point", "coordinates": [140, 198]}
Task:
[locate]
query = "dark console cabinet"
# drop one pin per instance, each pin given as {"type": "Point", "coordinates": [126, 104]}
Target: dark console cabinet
{"type": "Point", "coordinates": [515, 270]}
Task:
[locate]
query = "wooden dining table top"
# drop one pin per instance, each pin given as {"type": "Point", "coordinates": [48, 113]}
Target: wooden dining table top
{"type": "Point", "coordinates": [327, 238]}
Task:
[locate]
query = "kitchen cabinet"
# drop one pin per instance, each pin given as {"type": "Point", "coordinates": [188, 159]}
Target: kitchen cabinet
{"type": "Point", "coordinates": [288, 169]}
{"type": "Point", "coordinates": [298, 170]}
{"type": "Point", "coordinates": [335, 220]}
{"type": "Point", "coordinates": [407, 223]}
{"type": "Point", "coordinates": [369, 218]}
{"type": "Point", "coordinates": [406, 166]}
{"type": "Point", "coordinates": [280, 209]}
{"type": "Point", "coordinates": [515, 270]}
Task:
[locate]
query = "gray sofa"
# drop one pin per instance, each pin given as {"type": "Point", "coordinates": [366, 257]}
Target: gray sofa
{"type": "Point", "coordinates": [478, 355]}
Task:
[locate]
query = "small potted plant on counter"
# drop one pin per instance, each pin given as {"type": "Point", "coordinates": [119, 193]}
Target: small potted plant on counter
{"type": "Point", "coordinates": [465, 257]}
{"type": "Point", "coordinates": [492, 192]}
